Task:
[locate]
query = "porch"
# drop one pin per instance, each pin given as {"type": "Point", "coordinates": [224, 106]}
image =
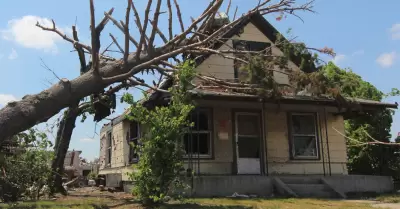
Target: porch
{"type": "Point", "coordinates": [257, 138]}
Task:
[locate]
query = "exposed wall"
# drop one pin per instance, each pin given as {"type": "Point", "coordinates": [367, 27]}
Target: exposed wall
{"type": "Point", "coordinates": [120, 151]}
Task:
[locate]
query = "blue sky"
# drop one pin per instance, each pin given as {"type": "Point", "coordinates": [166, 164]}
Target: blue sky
{"type": "Point", "coordinates": [365, 36]}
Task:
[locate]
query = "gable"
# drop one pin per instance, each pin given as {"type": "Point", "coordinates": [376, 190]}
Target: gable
{"type": "Point", "coordinates": [223, 68]}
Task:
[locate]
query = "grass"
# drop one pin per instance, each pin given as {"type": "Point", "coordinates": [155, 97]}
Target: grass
{"type": "Point", "coordinates": [89, 203]}
{"type": "Point", "coordinates": [222, 203]}
{"type": "Point", "coordinates": [217, 203]}
{"type": "Point", "coordinates": [389, 198]}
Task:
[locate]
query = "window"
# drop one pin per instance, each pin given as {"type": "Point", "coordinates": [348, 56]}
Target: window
{"type": "Point", "coordinates": [304, 137]}
{"type": "Point", "coordinates": [133, 141]}
{"type": "Point", "coordinates": [242, 75]}
{"type": "Point", "coordinates": [248, 135]}
{"type": "Point", "coordinates": [197, 141]}
{"type": "Point", "coordinates": [109, 148]}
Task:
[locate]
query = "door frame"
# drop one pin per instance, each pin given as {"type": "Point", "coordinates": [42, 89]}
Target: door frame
{"type": "Point", "coordinates": [234, 139]}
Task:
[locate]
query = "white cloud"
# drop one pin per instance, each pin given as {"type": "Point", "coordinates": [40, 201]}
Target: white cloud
{"type": "Point", "coordinates": [339, 58]}
{"type": "Point", "coordinates": [13, 55]}
{"type": "Point", "coordinates": [25, 32]}
{"type": "Point", "coordinates": [6, 98]}
{"type": "Point", "coordinates": [395, 31]}
{"type": "Point", "coordinates": [386, 60]}
{"type": "Point", "coordinates": [1, 56]}
{"type": "Point", "coordinates": [87, 140]}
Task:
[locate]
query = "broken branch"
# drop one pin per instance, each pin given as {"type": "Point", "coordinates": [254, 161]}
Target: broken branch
{"type": "Point", "coordinates": [128, 10]}
{"type": "Point", "coordinates": [116, 43]}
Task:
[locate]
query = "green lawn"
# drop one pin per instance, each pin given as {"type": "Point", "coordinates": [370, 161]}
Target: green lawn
{"type": "Point", "coordinates": [217, 203]}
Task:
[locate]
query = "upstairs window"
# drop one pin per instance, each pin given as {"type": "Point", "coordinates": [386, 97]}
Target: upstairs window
{"type": "Point", "coordinates": [252, 46]}
{"type": "Point", "coordinates": [133, 141]}
{"type": "Point", "coordinates": [197, 141]}
{"type": "Point", "coordinates": [303, 136]}
{"type": "Point", "coordinates": [109, 148]}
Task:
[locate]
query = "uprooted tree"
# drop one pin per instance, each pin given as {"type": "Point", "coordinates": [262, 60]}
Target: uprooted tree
{"type": "Point", "coordinates": [193, 41]}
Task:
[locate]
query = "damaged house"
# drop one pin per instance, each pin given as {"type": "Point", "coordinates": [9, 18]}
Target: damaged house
{"type": "Point", "coordinates": [249, 145]}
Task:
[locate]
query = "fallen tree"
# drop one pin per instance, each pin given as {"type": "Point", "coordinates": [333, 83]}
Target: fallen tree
{"type": "Point", "coordinates": [104, 71]}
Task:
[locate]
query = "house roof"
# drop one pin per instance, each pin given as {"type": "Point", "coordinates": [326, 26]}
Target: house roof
{"type": "Point", "coordinates": [288, 98]}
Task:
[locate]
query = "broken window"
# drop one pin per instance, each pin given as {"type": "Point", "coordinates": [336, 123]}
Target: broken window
{"type": "Point", "coordinates": [304, 136]}
{"type": "Point", "coordinates": [133, 141]}
{"type": "Point", "coordinates": [109, 148]}
{"type": "Point", "coordinates": [241, 45]}
{"type": "Point", "coordinates": [197, 142]}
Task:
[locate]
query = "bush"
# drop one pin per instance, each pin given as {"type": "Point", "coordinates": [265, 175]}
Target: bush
{"type": "Point", "coordinates": [160, 169]}
{"type": "Point", "coordinates": [25, 172]}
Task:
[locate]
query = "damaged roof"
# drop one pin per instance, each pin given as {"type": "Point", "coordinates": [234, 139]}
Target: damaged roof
{"type": "Point", "coordinates": [288, 98]}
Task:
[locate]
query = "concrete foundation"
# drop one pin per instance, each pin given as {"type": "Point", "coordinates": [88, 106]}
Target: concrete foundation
{"type": "Point", "coordinates": [266, 186]}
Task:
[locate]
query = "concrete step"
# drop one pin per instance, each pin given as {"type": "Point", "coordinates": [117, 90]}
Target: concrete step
{"type": "Point", "coordinates": [312, 190]}
{"type": "Point", "coordinates": [300, 180]}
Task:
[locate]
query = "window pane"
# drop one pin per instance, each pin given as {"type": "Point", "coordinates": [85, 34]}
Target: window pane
{"type": "Point", "coordinates": [197, 143]}
{"type": "Point", "coordinates": [303, 124]}
{"type": "Point", "coordinates": [134, 130]}
{"type": "Point", "coordinates": [109, 139]}
{"type": "Point", "coordinates": [200, 120]}
{"type": "Point", "coordinates": [305, 146]}
{"type": "Point", "coordinates": [249, 147]}
{"type": "Point", "coordinates": [248, 125]}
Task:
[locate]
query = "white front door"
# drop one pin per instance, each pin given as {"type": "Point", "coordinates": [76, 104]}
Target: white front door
{"type": "Point", "coordinates": [248, 138]}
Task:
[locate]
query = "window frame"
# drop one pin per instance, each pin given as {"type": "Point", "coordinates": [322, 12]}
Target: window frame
{"type": "Point", "coordinates": [210, 132]}
{"type": "Point", "coordinates": [292, 135]}
{"type": "Point", "coordinates": [237, 42]}
{"type": "Point", "coordinates": [109, 148]}
{"type": "Point", "coordinates": [133, 160]}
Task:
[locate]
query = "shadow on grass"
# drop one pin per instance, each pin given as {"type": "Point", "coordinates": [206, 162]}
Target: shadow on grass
{"type": "Point", "coordinates": [57, 206]}
{"type": "Point", "coordinates": [197, 206]}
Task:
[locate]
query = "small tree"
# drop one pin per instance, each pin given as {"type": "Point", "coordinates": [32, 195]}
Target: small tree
{"type": "Point", "coordinates": [160, 170]}
{"type": "Point", "coordinates": [26, 167]}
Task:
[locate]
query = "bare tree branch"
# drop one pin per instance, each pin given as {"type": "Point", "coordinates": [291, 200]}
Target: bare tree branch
{"type": "Point", "coordinates": [229, 7]}
{"type": "Point", "coordinates": [95, 40]}
{"type": "Point", "coordinates": [49, 69]}
{"type": "Point", "coordinates": [138, 23]}
{"type": "Point", "coordinates": [155, 28]}
{"type": "Point", "coordinates": [128, 10]}
{"type": "Point", "coordinates": [106, 49]}
{"type": "Point", "coordinates": [179, 14]}
{"type": "Point", "coordinates": [161, 34]}
{"type": "Point", "coordinates": [143, 32]}
{"type": "Point", "coordinates": [79, 49]}
{"type": "Point", "coordinates": [169, 19]}
{"type": "Point", "coordinates": [121, 28]}
{"type": "Point", "coordinates": [104, 22]}
{"type": "Point", "coordinates": [116, 43]}
{"type": "Point", "coordinates": [234, 15]}
{"type": "Point", "coordinates": [64, 36]}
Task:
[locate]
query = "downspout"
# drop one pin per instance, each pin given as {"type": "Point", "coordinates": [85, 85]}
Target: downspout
{"type": "Point", "coordinates": [264, 137]}
{"type": "Point", "coordinates": [327, 141]}
{"type": "Point", "coordinates": [322, 145]}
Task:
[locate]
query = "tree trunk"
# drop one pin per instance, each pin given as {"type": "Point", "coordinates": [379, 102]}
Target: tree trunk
{"type": "Point", "coordinates": [33, 109]}
{"type": "Point", "coordinates": [63, 139]}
